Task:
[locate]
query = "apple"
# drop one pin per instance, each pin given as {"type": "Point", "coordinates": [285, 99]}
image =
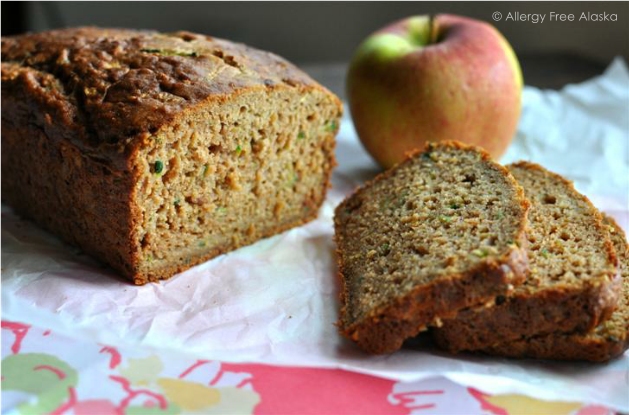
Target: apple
{"type": "Point", "coordinates": [425, 79]}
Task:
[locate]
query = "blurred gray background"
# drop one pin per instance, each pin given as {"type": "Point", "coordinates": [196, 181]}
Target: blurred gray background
{"type": "Point", "coordinates": [321, 36]}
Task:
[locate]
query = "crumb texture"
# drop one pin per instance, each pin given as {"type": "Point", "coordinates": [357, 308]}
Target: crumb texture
{"type": "Point", "coordinates": [438, 232]}
{"type": "Point", "coordinates": [232, 173]}
{"type": "Point", "coordinates": [608, 340]}
{"type": "Point", "coordinates": [571, 284]}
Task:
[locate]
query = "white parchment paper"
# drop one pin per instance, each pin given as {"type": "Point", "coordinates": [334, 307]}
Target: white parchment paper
{"type": "Point", "coordinates": [277, 300]}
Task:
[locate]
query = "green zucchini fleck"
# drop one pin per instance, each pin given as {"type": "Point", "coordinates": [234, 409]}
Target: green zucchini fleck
{"type": "Point", "coordinates": [158, 167]}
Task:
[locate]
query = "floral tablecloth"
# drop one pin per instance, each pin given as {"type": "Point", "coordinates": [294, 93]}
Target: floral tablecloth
{"type": "Point", "coordinates": [45, 372]}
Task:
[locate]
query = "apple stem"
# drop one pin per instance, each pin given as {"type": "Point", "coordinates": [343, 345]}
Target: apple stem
{"type": "Point", "coordinates": [432, 38]}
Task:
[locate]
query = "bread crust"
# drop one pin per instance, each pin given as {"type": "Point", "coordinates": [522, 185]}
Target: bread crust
{"type": "Point", "coordinates": [124, 85]}
{"type": "Point", "coordinates": [80, 105]}
{"type": "Point", "coordinates": [567, 309]}
{"type": "Point", "coordinates": [385, 328]}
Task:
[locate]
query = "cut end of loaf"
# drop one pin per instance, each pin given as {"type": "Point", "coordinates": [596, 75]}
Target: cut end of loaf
{"type": "Point", "coordinates": [229, 173]}
{"type": "Point", "coordinates": [441, 231]}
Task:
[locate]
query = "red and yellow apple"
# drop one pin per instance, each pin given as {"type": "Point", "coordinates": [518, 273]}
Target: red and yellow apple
{"type": "Point", "coordinates": [425, 79]}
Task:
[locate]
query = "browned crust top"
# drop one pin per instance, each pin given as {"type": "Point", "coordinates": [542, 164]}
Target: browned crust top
{"type": "Point", "coordinates": [113, 87]}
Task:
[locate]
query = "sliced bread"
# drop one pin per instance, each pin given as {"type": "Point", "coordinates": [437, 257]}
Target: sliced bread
{"type": "Point", "coordinates": [608, 340]}
{"type": "Point", "coordinates": [572, 285]}
{"type": "Point", "coordinates": [441, 231]}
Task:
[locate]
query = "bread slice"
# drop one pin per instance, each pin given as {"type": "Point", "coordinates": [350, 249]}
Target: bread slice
{"type": "Point", "coordinates": [441, 231]}
{"type": "Point", "coordinates": [572, 283]}
{"type": "Point", "coordinates": [608, 340]}
{"type": "Point", "coordinates": [157, 151]}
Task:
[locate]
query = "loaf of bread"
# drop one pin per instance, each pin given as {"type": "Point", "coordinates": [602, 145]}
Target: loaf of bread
{"type": "Point", "coordinates": [442, 231]}
{"type": "Point", "coordinates": [572, 285]}
{"type": "Point", "coordinates": [157, 151]}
